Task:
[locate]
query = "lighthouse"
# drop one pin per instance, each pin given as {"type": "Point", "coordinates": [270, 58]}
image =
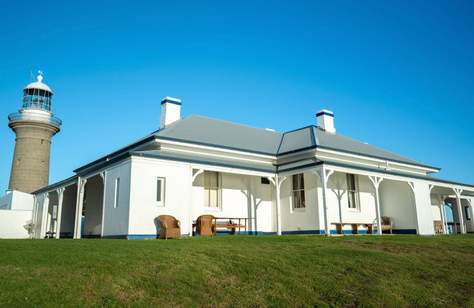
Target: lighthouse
{"type": "Point", "coordinates": [34, 126]}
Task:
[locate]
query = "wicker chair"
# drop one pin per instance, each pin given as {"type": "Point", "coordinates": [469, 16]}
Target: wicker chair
{"type": "Point", "coordinates": [438, 226]}
{"type": "Point", "coordinates": [205, 225]}
{"type": "Point", "coordinates": [387, 224]}
{"type": "Point", "coordinates": [169, 227]}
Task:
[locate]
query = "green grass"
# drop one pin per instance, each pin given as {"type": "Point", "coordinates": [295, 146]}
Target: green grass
{"type": "Point", "coordinates": [240, 271]}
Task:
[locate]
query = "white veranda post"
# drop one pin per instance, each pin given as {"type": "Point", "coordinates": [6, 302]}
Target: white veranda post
{"type": "Point", "coordinates": [277, 181]}
{"type": "Point", "coordinates": [81, 183]}
{"type": "Point", "coordinates": [194, 175]}
{"type": "Point", "coordinates": [458, 193]}
{"type": "Point", "coordinates": [376, 182]}
{"type": "Point", "coordinates": [443, 215]}
{"type": "Point", "coordinates": [324, 175]}
{"type": "Point", "coordinates": [44, 216]}
{"type": "Point", "coordinates": [60, 192]}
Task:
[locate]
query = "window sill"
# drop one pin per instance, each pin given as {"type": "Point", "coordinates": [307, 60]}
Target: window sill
{"type": "Point", "coordinates": [299, 210]}
{"type": "Point", "coordinates": [354, 210]}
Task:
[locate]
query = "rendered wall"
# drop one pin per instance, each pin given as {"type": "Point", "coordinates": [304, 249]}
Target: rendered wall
{"type": "Point", "coordinates": [397, 202]}
{"type": "Point", "coordinates": [13, 222]}
{"type": "Point", "coordinates": [300, 220]}
{"type": "Point", "coordinates": [69, 211]}
{"type": "Point", "coordinates": [116, 218]}
{"type": "Point", "coordinates": [93, 206]}
{"type": "Point", "coordinates": [312, 217]}
{"type": "Point", "coordinates": [338, 200]}
{"type": "Point", "coordinates": [144, 208]}
{"type": "Point", "coordinates": [424, 213]}
{"type": "Point", "coordinates": [242, 196]}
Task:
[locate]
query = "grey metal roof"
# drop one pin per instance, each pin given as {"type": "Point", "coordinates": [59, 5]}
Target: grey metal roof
{"type": "Point", "coordinates": [206, 131]}
{"type": "Point", "coordinates": [212, 132]}
{"type": "Point", "coordinates": [341, 143]}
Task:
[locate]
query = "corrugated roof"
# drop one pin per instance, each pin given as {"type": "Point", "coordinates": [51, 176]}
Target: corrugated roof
{"type": "Point", "coordinates": [212, 132]}
{"type": "Point", "coordinates": [206, 131]}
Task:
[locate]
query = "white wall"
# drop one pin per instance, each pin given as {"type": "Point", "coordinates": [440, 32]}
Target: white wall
{"type": "Point", "coordinates": [397, 202]}
{"type": "Point", "coordinates": [116, 218]}
{"type": "Point", "coordinates": [306, 219]}
{"type": "Point", "coordinates": [13, 222]}
{"type": "Point", "coordinates": [69, 211]}
{"type": "Point", "coordinates": [337, 186]}
{"type": "Point", "coordinates": [144, 208]}
{"type": "Point", "coordinates": [424, 213]}
{"type": "Point", "coordinates": [243, 196]}
{"type": "Point", "coordinates": [93, 206]}
{"type": "Point", "coordinates": [239, 193]}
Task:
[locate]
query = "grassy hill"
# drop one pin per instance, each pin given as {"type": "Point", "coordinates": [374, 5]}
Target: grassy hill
{"type": "Point", "coordinates": [240, 271]}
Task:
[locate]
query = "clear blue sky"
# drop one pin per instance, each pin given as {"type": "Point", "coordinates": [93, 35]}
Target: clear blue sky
{"type": "Point", "coordinates": [397, 74]}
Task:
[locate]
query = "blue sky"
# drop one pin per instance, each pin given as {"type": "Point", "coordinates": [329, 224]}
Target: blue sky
{"type": "Point", "coordinates": [397, 74]}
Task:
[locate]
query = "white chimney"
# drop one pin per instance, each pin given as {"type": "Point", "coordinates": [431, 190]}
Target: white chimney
{"type": "Point", "coordinates": [325, 120]}
{"type": "Point", "coordinates": [170, 111]}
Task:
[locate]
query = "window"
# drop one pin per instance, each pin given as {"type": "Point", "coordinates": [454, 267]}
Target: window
{"type": "Point", "coordinates": [352, 193]}
{"type": "Point", "coordinates": [265, 181]}
{"type": "Point", "coordinates": [211, 189]}
{"type": "Point", "coordinates": [160, 191]}
{"type": "Point", "coordinates": [116, 192]}
{"type": "Point", "coordinates": [298, 191]}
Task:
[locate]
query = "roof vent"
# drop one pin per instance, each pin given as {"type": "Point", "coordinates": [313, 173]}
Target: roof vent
{"type": "Point", "coordinates": [325, 120]}
{"type": "Point", "coordinates": [170, 111]}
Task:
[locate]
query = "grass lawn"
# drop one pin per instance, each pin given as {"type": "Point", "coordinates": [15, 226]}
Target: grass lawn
{"type": "Point", "coordinates": [240, 271]}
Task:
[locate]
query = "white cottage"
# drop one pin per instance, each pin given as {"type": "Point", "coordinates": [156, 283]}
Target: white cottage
{"type": "Point", "coordinates": [310, 180]}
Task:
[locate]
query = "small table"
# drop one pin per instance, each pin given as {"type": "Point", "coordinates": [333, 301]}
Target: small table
{"type": "Point", "coordinates": [232, 224]}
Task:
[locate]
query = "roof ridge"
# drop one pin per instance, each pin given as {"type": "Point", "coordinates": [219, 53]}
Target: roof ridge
{"type": "Point", "coordinates": [234, 123]}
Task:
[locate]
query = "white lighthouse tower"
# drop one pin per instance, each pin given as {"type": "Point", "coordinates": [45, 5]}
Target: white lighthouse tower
{"type": "Point", "coordinates": [34, 126]}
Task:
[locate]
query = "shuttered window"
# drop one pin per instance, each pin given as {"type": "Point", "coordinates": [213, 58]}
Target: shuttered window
{"type": "Point", "coordinates": [211, 189]}
{"type": "Point", "coordinates": [352, 191]}
{"type": "Point", "coordinates": [298, 191]}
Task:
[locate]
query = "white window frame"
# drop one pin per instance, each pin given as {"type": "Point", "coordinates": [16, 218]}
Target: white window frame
{"type": "Point", "coordinates": [116, 192]}
{"type": "Point", "coordinates": [162, 181]}
{"type": "Point", "coordinates": [354, 192]}
{"type": "Point", "coordinates": [298, 191]}
{"type": "Point", "coordinates": [218, 188]}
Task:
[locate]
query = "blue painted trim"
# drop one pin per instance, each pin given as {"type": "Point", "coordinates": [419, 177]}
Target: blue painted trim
{"type": "Point", "coordinates": [404, 231]}
{"type": "Point", "coordinates": [142, 236]}
{"type": "Point", "coordinates": [170, 102]}
{"type": "Point", "coordinates": [325, 113]}
{"type": "Point", "coordinates": [301, 232]}
{"type": "Point", "coordinates": [118, 237]}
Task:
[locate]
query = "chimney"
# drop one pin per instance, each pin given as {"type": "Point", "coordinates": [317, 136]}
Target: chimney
{"type": "Point", "coordinates": [325, 121]}
{"type": "Point", "coordinates": [170, 111]}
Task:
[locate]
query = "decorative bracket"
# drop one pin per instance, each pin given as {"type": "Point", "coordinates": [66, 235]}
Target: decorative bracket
{"type": "Point", "coordinates": [458, 192]}
{"type": "Point", "coordinates": [376, 180]}
{"type": "Point", "coordinates": [195, 174]}
{"type": "Point", "coordinates": [280, 180]}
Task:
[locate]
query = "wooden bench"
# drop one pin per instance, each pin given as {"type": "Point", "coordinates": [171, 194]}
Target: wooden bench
{"type": "Point", "coordinates": [354, 225]}
{"type": "Point", "coordinates": [232, 224]}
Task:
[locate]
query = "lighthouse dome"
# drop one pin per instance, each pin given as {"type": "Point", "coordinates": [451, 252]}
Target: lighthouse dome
{"type": "Point", "coordinates": [38, 84]}
{"type": "Point", "coordinates": [37, 95]}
